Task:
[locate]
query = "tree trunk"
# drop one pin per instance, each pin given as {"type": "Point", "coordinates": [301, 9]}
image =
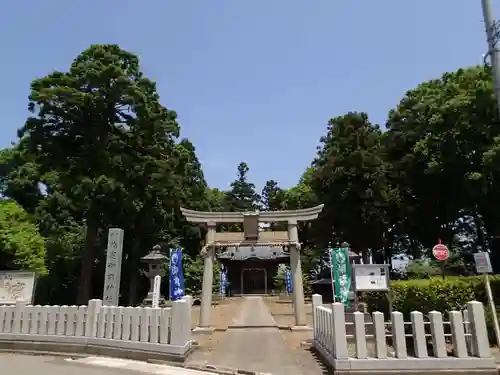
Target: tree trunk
{"type": "Point", "coordinates": [87, 265]}
{"type": "Point", "coordinates": [133, 272]}
{"type": "Point", "coordinates": [388, 246]}
{"type": "Point", "coordinates": [133, 285]}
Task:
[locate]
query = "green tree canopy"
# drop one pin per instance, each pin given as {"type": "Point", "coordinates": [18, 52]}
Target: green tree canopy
{"type": "Point", "coordinates": [242, 196]}
{"type": "Point", "coordinates": [270, 196]}
{"type": "Point", "coordinates": [349, 177]}
{"type": "Point", "coordinates": [108, 155]}
{"type": "Point", "coordinates": [440, 143]}
{"type": "Point", "coordinates": [21, 246]}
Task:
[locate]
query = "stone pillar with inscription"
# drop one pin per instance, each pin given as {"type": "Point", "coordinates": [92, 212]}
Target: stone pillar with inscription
{"type": "Point", "coordinates": [298, 287]}
{"type": "Point", "coordinates": [208, 276]}
{"type": "Point", "coordinates": [112, 274]}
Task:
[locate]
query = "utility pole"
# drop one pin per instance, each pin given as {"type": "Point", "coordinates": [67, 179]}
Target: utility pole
{"type": "Point", "coordinates": [492, 37]}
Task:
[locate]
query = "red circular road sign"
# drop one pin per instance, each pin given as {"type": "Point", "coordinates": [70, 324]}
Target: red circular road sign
{"type": "Point", "coordinates": [440, 252]}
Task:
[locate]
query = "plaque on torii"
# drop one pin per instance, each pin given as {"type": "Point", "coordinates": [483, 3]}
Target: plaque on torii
{"type": "Point", "coordinates": [251, 225]}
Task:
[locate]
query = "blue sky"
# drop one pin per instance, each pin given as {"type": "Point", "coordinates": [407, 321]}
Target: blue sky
{"type": "Point", "coordinates": [250, 80]}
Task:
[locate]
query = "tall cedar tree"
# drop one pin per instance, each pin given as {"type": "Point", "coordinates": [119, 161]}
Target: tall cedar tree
{"type": "Point", "coordinates": [242, 196]}
{"type": "Point", "coordinates": [89, 124]}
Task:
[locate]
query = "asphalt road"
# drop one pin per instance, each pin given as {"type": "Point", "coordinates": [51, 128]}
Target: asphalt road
{"type": "Point", "coordinates": [40, 365]}
{"type": "Point", "coordinates": [18, 364]}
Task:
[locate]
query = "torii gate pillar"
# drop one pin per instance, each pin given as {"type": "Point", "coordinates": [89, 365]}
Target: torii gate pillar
{"type": "Point", "coordinates": [208, 276]}
{"type": "Point", "coordinates": [297, 282]}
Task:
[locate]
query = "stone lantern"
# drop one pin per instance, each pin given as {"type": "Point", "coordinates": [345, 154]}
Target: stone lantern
{"type": "Point", "coordinates": [353, 257]}
{"type": "Point", "coordinates": [155, 261]}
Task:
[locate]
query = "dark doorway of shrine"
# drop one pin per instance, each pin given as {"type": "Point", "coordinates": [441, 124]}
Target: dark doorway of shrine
{"type": "Point", "coordinates": [254, 281]}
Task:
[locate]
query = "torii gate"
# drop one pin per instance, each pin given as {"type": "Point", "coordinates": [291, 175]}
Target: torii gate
{"type": "Point", "coordinates": [251, 236]}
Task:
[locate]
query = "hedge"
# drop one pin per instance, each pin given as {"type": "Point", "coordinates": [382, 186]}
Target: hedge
{"type": "Point", "coordinates": [451, 293]}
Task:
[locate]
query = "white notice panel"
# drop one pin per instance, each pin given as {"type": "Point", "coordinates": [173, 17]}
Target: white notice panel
{"type": "Point", "coordinates": [483, 263]}
{"type": "Point", "coordinates": [17, 286]}
{"type": "Point", "coordinates": [371, 277]}
{"type": "Point", "coordinates": [113, 267]}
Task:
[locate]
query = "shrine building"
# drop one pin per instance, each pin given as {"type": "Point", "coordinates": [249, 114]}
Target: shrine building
{"type": "Point", "coordinates": [252, 270]}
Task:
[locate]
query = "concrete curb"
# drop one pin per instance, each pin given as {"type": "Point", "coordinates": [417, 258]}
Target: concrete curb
{"type": "Point", "coordinates": [253, 326]}
{"type": "Point", "coordinates": [208, 368]}
{"type": "Point", "coordinates": [42, 353]}
{"type": "Point", "coordinates": [82, 351]}
{"type": "Point", "coordinates": [205, 368]}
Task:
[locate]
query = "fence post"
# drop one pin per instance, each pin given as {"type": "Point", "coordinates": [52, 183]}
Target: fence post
{"type": "Point", "coordinates": [379, 328]}
{"type": "Point", "coordinates": [458, 334]}
{"type": "Point", "coordinates": [145, 323]}
{"type": "Point", "coordinates": [398, 335]}
{"type": "Point", "coordinates": [155, 325]}
{"type": "Point", "coordinates": [102, 314]}
{"type": "Point", "coordinates": [53, 314]}
{"type": "Point", "coordinates": [360, 335]}
{"type": "Point", "coordinates": [418, 330]}
{"type": "Point", "coordinates": [35, 320]}
{"type": "Point", "coordinates": [119, 325]}
{"type": "Point", "coordinates": [27, 312]}
{"type": "Point", "coordinates": [181, 323]}
{"type": "Point", "coordinates": [437, 333]}
{"type": "Point", "coordinates": [189, 300]}
{"type": "Point", "coordinates": [481, 346]}
{"type": "Point", "coordinates": [93, 309]}
{"type": "Point", "coordinates": [18, 315]}
{"type": "Point", "coordinates": [3, 311]}
{"type": "Point", "coordinates": [339, 331]}
{"type": "Point", "coordinates": [317, 300]}
{"type": "Point", "coordinates": [165, 325]}
{"type": "Point", "coordinates": [468, 332]}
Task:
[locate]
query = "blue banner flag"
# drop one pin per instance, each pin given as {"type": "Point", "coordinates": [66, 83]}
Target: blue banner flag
{"type": "Point", "coordinates": [176, 275]}
{"type": "Point", "coordinates": [223, 283]}
{"type": "Point", "coordinates": [288, 281]}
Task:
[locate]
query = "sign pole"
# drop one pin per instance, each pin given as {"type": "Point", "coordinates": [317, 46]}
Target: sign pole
{"type": "Point", "coordinates": [483, 265]}
{"type": "Point", "coordinates": [331, 275]}
{"type": "Point", "coordinates": [170, 274]}
{"type": "Point", "coordinates": [356, 305]}
{"type": "Point", "coordinates": [492, 307]}
{"type": "Point", "coordinates": [441, 253]}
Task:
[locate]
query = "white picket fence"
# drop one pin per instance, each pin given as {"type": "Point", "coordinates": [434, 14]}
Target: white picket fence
{"type": "Point", "coordinates": [166, 330]}
{"type": "Point", "coordinates": [366, 339]}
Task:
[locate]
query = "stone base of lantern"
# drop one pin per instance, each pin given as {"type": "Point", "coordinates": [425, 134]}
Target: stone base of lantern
{"type": "Point", "coordinates": [148, 301]}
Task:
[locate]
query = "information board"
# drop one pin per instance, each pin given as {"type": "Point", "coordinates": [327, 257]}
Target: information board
{"type": "Point", "coordinates": [371, 277]}
{"type": "Point", "coordinates": [17, 286]}
{"type": "Point", "coordinates": [483, 263]}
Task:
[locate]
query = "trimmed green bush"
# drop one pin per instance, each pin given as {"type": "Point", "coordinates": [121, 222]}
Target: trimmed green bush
{"type": "Point", "coordinates": [451, 293]}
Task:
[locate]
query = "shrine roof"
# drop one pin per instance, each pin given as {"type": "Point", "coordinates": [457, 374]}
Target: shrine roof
{"type": "Point", "coordinates": [154, 255]}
